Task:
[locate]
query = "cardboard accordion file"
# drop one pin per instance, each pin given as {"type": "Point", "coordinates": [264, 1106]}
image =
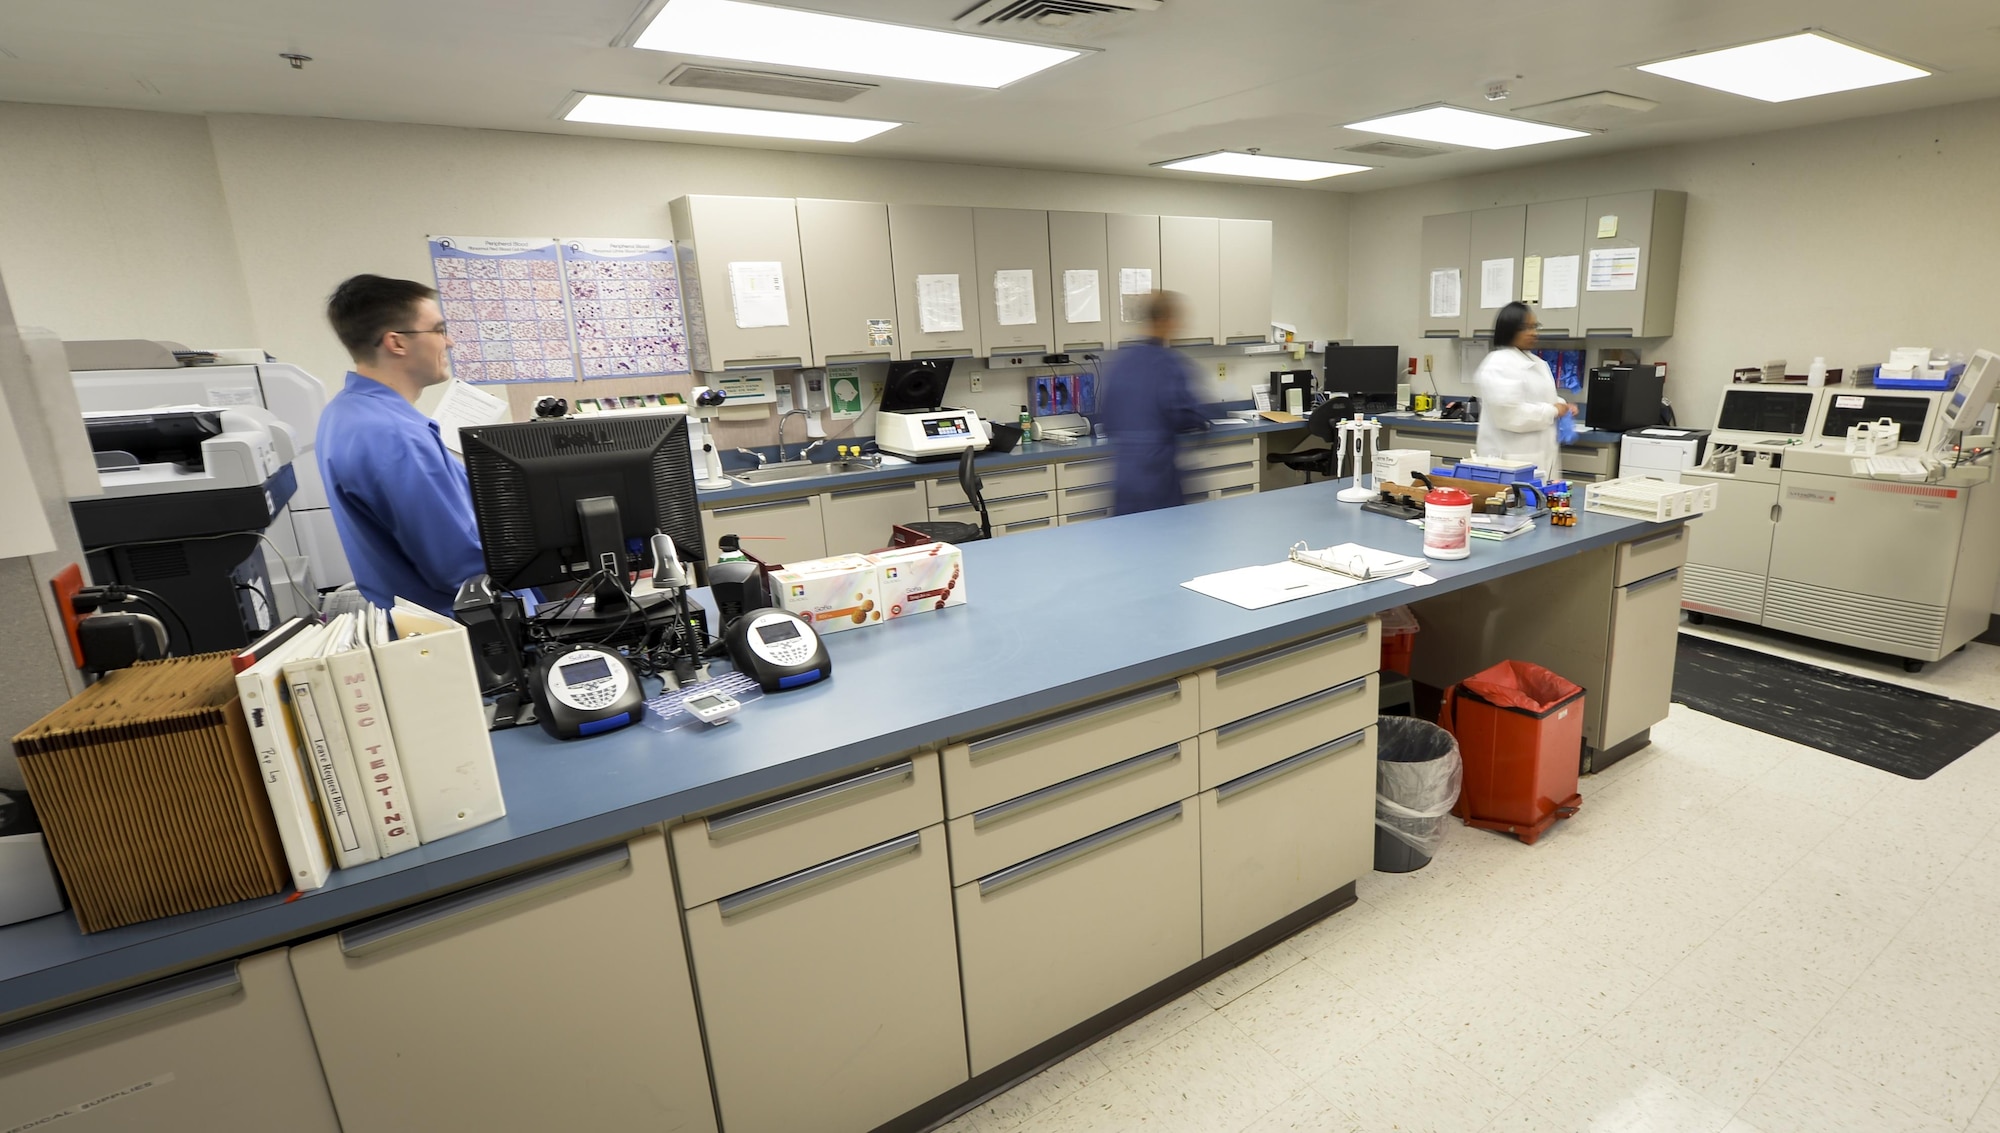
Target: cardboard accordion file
{"type": "Point", "coordinates": [148, 789]}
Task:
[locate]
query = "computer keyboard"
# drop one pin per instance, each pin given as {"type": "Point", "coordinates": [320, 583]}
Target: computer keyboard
{"type": "Point", "coordinates": [1896, 468]}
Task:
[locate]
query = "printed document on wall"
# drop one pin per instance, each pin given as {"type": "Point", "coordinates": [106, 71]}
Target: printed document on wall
{"type": "Point", "coordinates": [1496, 283]}
{"type": "Point", "coordinates": [502, 297]}
{"type": "Point", "coordinates": [1531, 279]}
{"type": "Point", "coordinates": [1080, 304]}
{"type": "Point", "coordinates": [757, 289]}
{"type": "Point", "coordinates": [1134, 284]}
{"type": "Point", "coordinates": [1559, 282]}
{"type": "Point", "coordinates": [1014, 296]}
{"type": "Point", "coordinates": [1614, 269]}
{"type": "Point", "coordinates": [1444, 293]}
{"type": "Point", "coordinates": [939, 310]}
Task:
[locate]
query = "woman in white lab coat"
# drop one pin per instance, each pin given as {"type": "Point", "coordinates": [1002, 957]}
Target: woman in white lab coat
{"type": "Point", "coordinates": [1518, 403]}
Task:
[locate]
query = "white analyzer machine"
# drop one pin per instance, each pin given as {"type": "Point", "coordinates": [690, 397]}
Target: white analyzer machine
{"type": "Point", "coordinates": [1896, 551]}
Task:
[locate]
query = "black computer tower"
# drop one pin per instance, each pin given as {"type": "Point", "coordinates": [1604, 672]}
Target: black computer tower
{"type": "Point", "coordinates": [1624, 397]}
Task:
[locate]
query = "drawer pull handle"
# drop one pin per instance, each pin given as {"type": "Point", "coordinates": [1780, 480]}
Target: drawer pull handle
{"type": "Point", "coordinates": [1272, 715]}
{"type": "Point", "coordinates": [1225, 468]}
{"type": "Point", "coordinates": [1068, 787]}
{"type": "Point", "coordinates": [1025, 525]}
{"type": "Point", "coordinates": [1284, 767]}
{"type": "Point", "coordinates": [1607, 332]}
{"type": "Point", "coordinates": [1093, 513]}
{"type": "Point", "coordinates": [844, 493]}
{"type": "Point", "coordinates": [1014, 874]}
{"type": "Point", "coordinates": [1649, 583]}
{"type": "Point", "coordinates": [1235, 667]}
{"type": "Point", "coordinates": [978, 748]}
{"type": "Point", "coordinates": [1662, 537]}
{"type": "Point", "coordinates": [826, 871]}
{"type": "Point", "coordinates": [763, 363]}
{"type": "Point", "coordinates": [203, 983]}
{"type": "Point", "coordinates": [722, 823]}
{"type": "Point", "coordinates": [369, 936]}
{"type": "Point", "coordinates": [773, 505]}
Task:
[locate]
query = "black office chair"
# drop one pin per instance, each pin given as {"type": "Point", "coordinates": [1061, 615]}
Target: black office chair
{"type": "Point", "coordinates": [1324, 424]}
{"type": "Point", "coordinates": [947, 530]}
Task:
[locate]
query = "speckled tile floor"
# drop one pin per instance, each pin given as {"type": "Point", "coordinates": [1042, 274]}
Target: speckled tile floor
{"type": "Point", "coordinates": [1738, 934]}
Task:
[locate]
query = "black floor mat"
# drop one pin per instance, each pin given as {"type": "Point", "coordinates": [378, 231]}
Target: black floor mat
{"type": "Point", "coordinates": [1912, 733]}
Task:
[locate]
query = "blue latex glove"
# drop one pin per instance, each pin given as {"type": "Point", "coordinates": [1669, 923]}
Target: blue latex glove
{"type": "Point", "coordinates": [1566, 429]}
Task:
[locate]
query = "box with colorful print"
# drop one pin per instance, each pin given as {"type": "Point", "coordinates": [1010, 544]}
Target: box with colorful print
{"type": "Point", "coordinates": [930, 576]}
{"type": "Point", "coordinates": [833, 594]}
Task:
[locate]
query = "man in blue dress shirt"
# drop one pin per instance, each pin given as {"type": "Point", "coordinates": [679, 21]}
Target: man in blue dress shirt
{"type": "Point", "coordinates": [1148, 395]}
{"type": "Point", "coordinates": [400, 500]}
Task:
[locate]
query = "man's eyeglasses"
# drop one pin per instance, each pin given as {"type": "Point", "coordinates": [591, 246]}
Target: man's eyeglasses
{"type": "Point", "coordinates": [439, 329]}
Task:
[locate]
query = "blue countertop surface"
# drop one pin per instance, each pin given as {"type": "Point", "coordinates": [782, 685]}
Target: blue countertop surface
{"type": "Point", "coordinates": [1054, 617]}
{"type": "Point", "coordinates": [1413, 421]}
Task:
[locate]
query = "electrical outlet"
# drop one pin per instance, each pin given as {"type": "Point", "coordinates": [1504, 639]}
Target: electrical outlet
{"type": "Point", "coordinates": [1222, 371]}
{"type": "Point", "coordinates": [978, 382]}
{"type": "Point", "coordinates": [1427, 363]}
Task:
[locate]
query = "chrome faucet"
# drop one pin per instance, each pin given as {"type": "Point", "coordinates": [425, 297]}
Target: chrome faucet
{"type": "Point", "coordinates": [759, 457]}
{"type": "Point", "coordinates": [806, 452]}
{"type": "Point", "coordinates": [782, 418]}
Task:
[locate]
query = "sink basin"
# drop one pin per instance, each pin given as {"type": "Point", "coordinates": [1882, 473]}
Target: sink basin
{"type": "Point", "coordinates": [776, 473]}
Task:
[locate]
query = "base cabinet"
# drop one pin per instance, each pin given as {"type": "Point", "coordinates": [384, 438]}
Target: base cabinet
{"type": "Point", "coordinates": [219, 1048]}
{"type": "Point", "coordinates": [522, 1004]}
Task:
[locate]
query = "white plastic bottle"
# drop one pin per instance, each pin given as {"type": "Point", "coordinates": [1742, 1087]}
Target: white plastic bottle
{"type": "Point", "coordinates": [1816, 374]}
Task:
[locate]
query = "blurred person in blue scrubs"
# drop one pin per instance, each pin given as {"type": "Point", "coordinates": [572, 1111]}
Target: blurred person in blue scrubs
{"type": "Point", "coordinates": [1148, 395]}
{"type": "Point", "coordinates": [400, 499]}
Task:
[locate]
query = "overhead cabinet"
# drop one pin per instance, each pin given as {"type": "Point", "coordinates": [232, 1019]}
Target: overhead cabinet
{"type": "Point", "coordinates": [1011, 247]}
{"type": "Point", "coordinates": [742, 281]}
{"type": "Point", "coordinates": [1245, 280]}
{"type": "Point", "coordinates": [1552, 241]}
{"type": "Point", "coordinates": [1191, 264]}
{"type": "Point", "coordinates": [1496, 237]}
{"type": "Point", "coordinates": [936, 266]}
{"type": "Point", "coordinates": [1083, 289]}
{"type": "Point", "coordinates": [1133, 243]}
{"type": "Point", "coordinates": [1441, 300]}
{"type": "Point", "coordinates": [849, 281]}
{"type": "Point", "coordinates": [1632, 264]}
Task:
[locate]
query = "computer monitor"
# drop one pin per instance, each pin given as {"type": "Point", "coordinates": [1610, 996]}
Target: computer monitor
{"type": "Point", "coordinates": [1372, 371]}
{"type": "Point", "coordinates": [1766, 411]}
{"type": "Point", "coordinates": [577, 500]}
{"type": "Point", "coordinates": [1971, 396]}
{"type": "Point", "coordinates": [1845, 410]}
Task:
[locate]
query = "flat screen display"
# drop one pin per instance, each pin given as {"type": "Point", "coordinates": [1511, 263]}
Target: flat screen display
{"type": "Point", "coordinates": [1766, 411]}
{"type": "Point", "coordinates": [584, 671]}
{"type": "Point", "coordinates": [704, 703]}
{"type": "Point", "coordinates": [1362, 369]}
{"type": "Point", "coordinates": [778, 631]}
{"type": "Point", "coordinates": [1846, 410]}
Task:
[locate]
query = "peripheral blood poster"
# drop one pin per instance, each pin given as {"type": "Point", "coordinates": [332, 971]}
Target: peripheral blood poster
{"type": "Point", "coordinates": [625, 304]}
{"type": "Point", "coordinates": [502, 299]}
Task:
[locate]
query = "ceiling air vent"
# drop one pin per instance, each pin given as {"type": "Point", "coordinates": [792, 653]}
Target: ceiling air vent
{"type": "Point", "coordinates": [1601, 110]}
{"type": "Point", "coordinates": [763, 82]}
{"type": "Point", "coordinates": [1070, 19]}
{"type": "Point", "coordinates": [1394, 149]}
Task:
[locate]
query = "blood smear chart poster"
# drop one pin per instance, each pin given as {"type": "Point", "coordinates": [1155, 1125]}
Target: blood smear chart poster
{"type": "Point", "coordinates": [502, 299]}
{"type": "Point", "coordinates": [625, 304]}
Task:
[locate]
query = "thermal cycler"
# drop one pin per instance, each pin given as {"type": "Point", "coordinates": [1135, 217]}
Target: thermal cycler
{"type": "Point", "coordinates": [913, 421]}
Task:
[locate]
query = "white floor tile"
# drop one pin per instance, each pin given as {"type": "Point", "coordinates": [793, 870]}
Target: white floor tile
{"type": "Point", "coordinates": [1511, 1036]}
{"type": "Point", "coordinates": [1307, 1018]}
{"type": "Point", "coordinates": [1714, 1052]}
{"type": "Point", "coordinates": [1928, 1066]}
{"type": "Point", "coordinates": [1403, 1082]}
{"type": "Point", "coordinates": [1809, 1096]}
{"type": "Point", "coordinates": [1210, 1076]}
{"type": "Point", "coordinates": [1107, 1105]}
{"type": "Point", "coordinates": [1518, 1118]}
{"type": "Point", "coordinates": [1033, 1097]}
{"type": "Point", "coordinates": [1766, 988]}
{"type": "Point", "coordinates": [1232, 984]}
{"type": "Point", "coordinates": [1134, 1039]}
{"type": "Point", "coordinates": [1306, 1112]}
{"type": "Point", "coordinates": [1600, 1089]}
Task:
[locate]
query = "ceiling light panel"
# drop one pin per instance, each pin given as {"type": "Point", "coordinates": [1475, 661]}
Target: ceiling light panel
{"type": "Point", "coordinates": [789, 37]}
{"type": "Point", "coordinates": [1780, 70]}
{"type": "Point", "coordinates": [703, 118]}
{"type": "Point", "coordinates": [1232, 164]}
{"type": "Point", "coordinates": [1455, 127]}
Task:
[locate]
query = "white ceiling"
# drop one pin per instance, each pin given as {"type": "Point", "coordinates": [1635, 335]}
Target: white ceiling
{"type": "Point", "coordinates": [1197, 75]}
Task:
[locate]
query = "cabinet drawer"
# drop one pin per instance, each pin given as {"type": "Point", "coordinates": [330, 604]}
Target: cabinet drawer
{"type": "Point", "coordinates": [781, 531]}
{"type": "Point", "coordinates": [859, 520]}
{"type": "Point", "coordinates": [1091, 497]}
{"type": "Point", "coordinates": [999, 835]}
{"type": "Point", "coordinates": [1249, 685]}
{"type": "Point", "coordinates": [1639, 678]}
{"type": "Point", "coordinates": [1049, 942]}
{"type": "Point", "coordinates": [1255, 742]}
{"type": "Point", "coordinates": [1240, 451]}
{"type": "Point", "coordinates": [1222, 477]}
{"type": "Point", "coordinates": [727, 852]}
{"type": "Point", "coordinates": [230, 1039]}
{"type": "Point", "coordinates": [1279, 839]}
{"type": "Point", "coordinates": [1022, 525]}
{"type": "Point", "coordinates": [1027, 480]}
{"type": "Point", "coordinates": [831, 997]}
{"type": "Point", "coordinates": [1592, 460]}
{"type": "Point", "coordinates": [1002, 509]}
{"type": "Point", "coordinates": [507, 1006]}
{"type": "Point", "coordinates": [1040, 753]}
{"type": "Point", "coordinates": [1648, 555]}
{"type": "Point", "coordinates": [1084, 473]}
{"type": "Point", "coordinates": [1086, 516]}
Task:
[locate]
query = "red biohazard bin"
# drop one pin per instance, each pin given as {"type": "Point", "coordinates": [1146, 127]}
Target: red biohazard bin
{"type": "Point", "coordinates": [1520, 730]}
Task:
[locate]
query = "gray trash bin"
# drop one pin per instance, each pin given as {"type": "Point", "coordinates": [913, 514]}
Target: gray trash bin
{"type": "Point", "coordinates": [1417, 776]}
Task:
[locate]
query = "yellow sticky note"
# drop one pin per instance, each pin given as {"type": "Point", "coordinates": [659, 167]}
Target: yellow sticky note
{"type": "Point", "coordinates": [1607, 227]}
{"type": "Point", "coordinates": [1531, 279]}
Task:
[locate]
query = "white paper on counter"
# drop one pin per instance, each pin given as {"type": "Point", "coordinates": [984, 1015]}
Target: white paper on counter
{"type": "Point", "coordinates": [463, 407]}
{"type": "Point", "coordinates": [1080, 304]}
{"type": "Point", "coordinates": [1444, 293]}
{"type": "Point", "coordinates": [1014, 296]}
{"type": "Point", "coordinates": [1613, 269]}
{"type": "Point", "coordinates": [1496, 283]}
{"type": "Point", "coordinates": [1559, 282]}
{"type": "Point", "coordinates": [1256, 587]}
{"type": "Point", "coordinates": [939, 310]}
{"type": "Point", "coordinates": [757, 289]}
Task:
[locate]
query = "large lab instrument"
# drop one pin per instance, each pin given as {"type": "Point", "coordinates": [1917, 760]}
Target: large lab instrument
{"type": "Point", "coordinates": [913, 421]}
{"type": "Point", "coordinates": [1898, 552]}
{"type": "Point", "coordinates": [129, 374]}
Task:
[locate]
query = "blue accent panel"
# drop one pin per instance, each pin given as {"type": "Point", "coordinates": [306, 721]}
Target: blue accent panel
{"type": "Point", "coordinates": [609, 723]}
{"type": "Point", "coordinates": [797, 679]}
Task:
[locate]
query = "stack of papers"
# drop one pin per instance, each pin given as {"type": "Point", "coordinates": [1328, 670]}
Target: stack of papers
{"type": "Point", "coordinates": [1256, 587]}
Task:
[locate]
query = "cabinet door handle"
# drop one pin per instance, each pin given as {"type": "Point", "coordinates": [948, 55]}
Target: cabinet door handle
{"type": "Point", "coordinates": [1286, 766]}
{"type": "Point", "coordinates": [1042, 863]}
{"type": "Point", "coordinates": [1662, 537]}
{"type": "Point", "coordinates": [203, 983]}
{"type": "Point", "coordinates": [723, 823]}
{"type": "Point", "coordinates": [1273, 715]}
{"type": "Point", "coordinates": [1649, 583]}
{"type": "Point", "coordinates": [1228, 467]}
{"type": "Point", "coordinates": [826, 871]}
{"type": "Point", "coordinates": [1607, 332]}
{"type": "Point", "coordinates": [1069, 787]}
{"type": "Point", "coordinates": [877, 490]}
{"type": "Point", "coordinates": [763, 363]}
{"type": "Point", "coordinates": [1025, 525]}
{"type": "Point", "coordinates": [1552, 332]}
{"type": "Point", "coordinates": [768, 505]}
{"type": "Point", "coordinates": [1093, 513]}
{"type": "Point", "coordinates": [981, 747]}
{"type": "Point", "coordinates": [1238, 489]}
{"type": "Point", "coordinates": [1236, 667]}
{"type": "Point", "coordinates": [381, 932]}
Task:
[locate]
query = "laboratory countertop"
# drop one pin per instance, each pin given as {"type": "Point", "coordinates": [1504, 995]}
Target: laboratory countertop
{"type": "Point", "coordinates": [1026, 453]}
{"type": "Point", "coordinates": [1413, 421]}
{"type": "Point", "coordinates": [1055, 617]}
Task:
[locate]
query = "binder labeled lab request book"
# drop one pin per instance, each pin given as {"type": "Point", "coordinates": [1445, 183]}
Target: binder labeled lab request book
{"type": "Point", "coordinates": [423, 664]}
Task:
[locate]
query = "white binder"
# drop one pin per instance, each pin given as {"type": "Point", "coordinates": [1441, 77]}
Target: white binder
{"type": "Point", "coordinates": [286, 779]}
{"type": "Point", "coordinates": [381, 799]}
{"type": "Point", "coordinates": [316, 707]}
{"type": "Point", "coordinates": [438, 719]}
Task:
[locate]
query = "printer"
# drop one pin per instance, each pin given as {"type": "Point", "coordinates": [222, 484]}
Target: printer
{"type": "Point", "coordinates": [913, 422]}
{"type": "Point", "coordinates": [1659, 452]}
{"type": "Point", "coordinates": [188, 494]}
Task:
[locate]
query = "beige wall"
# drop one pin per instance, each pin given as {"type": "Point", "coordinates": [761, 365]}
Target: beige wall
{"type": "Point", "coordinates": [1839, 240]}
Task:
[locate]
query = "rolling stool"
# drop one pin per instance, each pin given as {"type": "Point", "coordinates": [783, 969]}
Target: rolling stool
{"type": "Point", "coordinates": [945, 530]}
{"type": "Point", "coordinates": [1398, 696]}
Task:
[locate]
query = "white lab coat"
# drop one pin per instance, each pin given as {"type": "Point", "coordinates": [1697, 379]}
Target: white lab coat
{"type": "Point", "coordinates": [1518, 407]}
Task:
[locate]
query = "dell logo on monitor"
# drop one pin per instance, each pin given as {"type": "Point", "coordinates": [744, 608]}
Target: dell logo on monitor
{"type": "Point", "coordinates": [587, 438]}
